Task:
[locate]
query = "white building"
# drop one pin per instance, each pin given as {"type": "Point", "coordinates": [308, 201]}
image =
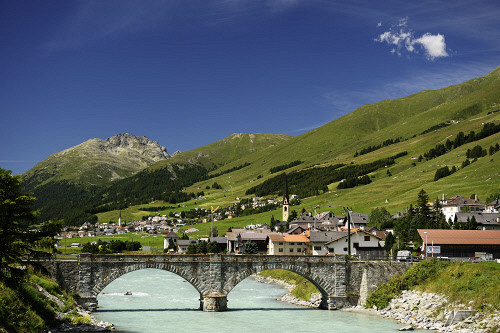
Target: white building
{"type": "Point", "coordinates": [459, 204]}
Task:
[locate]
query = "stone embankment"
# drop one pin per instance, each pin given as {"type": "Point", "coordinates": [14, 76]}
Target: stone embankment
{"type": "Point", "coordinates": [90, 324]}
{"type": "Point", "coordinates": [80, 320]}
{"type": "Point", "coordinates": [288, 298]}
{"type": "Point", "coordinates": [432, 311]}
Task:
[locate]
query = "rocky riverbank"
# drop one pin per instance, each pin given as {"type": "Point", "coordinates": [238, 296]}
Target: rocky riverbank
{"type": "Point", "coordinates": [431, 311]}
{"type": "Point", "coordinates": [412, 308]}
{"type": "Point", "coordinates": [288, 298]}
{"type": "Point", "coordinates": [80, 321]}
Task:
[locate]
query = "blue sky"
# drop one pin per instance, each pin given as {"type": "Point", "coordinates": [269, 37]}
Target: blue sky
{"type": "Point", "coordinates": [187, 73]}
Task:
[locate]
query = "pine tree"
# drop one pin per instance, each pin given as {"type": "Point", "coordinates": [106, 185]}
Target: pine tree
{"type": "Point", "coordinates": [20, 240]}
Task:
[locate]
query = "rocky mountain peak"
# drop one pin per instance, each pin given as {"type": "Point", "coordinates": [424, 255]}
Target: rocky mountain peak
{"type": "Point", "coordinates": [138, 143]}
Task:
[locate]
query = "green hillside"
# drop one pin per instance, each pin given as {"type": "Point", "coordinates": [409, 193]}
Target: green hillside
{"type": "Point", "coordinates": [465, 106]}
{"type": "Point", "coordinates": [217, 155]}
{"type": "Point", "coordinates": [96, 162]}
{"type": "Point", "coordinates": [419, 122]}
{"type": "Point", "coordinates": [398, 131]}
{"type": "Point", "coordinates": [81, 181]}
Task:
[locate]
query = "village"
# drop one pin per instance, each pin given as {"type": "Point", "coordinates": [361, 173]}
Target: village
{"type": "Point", "coordinates": [318, 233]}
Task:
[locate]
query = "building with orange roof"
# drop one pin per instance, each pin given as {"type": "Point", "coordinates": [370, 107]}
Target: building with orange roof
{"type": "Point", "coordinates": [287, 244]}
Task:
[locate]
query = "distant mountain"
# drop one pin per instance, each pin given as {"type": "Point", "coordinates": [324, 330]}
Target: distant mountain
{"type": "Point", "coordinates": [113, 173]}
{"type": "Point", "coordinates": [227, 151]}
{"type": "Point", "coordinates": [376, 148]}
{"type": "Point", "coordinates": [97, 162]}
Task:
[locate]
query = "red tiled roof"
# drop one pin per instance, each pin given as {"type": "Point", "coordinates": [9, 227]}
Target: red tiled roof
{"type": "Point", "coordinates": [275, 238]}
{"type": "Point", "coordinates": [460, 237]}
{"type": "Point", "coordinates": [459, 200]}
{"type": "Point", "coordinates": [296, 238]}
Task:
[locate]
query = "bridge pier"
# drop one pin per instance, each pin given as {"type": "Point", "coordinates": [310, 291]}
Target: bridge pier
{"type": "Point", "coordinates": [88, 303]}
{"type": "Point", "coordinates": [336, 302]}
{"type": "Point", "coordinates": [213, 303]}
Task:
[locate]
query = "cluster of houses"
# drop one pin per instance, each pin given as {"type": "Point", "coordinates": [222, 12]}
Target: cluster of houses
{"type": "Point", "coordinates": [327, 233]}
{"type": "Point", "coordinates": [461, 209]}
{"type": "Point", "coordinates": [296, 241]}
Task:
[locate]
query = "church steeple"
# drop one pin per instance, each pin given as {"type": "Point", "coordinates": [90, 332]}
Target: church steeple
{"type": "Point", "coordinates": [286, 201]}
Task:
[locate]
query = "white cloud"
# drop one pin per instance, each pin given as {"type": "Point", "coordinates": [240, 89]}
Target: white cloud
{"type": "Point", "coordinates": [434, 45]}
{"type": "Point", "coordinates": [402, 38]}
{"type": "Point", "coordinates": [379, 24]}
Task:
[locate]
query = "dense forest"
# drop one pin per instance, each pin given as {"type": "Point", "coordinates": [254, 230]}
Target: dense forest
{"type": "Point", "coordinates": [460, 139]}
{"type": "Point", "coordinates": [76, 204]}
{"type": "Point", "coordinates": [314, 181]}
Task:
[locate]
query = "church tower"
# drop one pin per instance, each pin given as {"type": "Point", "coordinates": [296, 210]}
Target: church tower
{"type": "Point", "coordinates": [286, 201]}
{"type": "Point", "coordinates": [120, 219]}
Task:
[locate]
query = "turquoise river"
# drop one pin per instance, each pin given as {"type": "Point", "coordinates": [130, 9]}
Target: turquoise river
{"type": "Point", "coordinates": [164, 302]}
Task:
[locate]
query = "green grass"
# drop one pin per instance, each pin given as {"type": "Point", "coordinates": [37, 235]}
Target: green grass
{"type": "Point", "coordinates": [23, 308]}
{"type": "Point", "coordinates": [154, 241]}
{"type": "Point", "coordinates": [337, 141]}
{"type": "Point", "coordinates": [16, 316]}
{"type": "Point", "coordinates": [303, 287]}
{"type": "Point", "coordinates": [461, 282]}
{"type": "Point", "coordinates": [465, 282]}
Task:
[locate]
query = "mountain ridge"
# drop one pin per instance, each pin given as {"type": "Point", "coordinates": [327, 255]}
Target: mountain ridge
{"type": "Point", "coordinates": [244, 160]}
{"type": "Point", "coordinates": [97, 161]}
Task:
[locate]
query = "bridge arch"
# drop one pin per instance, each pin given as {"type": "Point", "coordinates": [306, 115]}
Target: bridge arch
{"type": "Point", "coordinates": [323, 286]}
{"type": "Point", "coordinates": [104, 280]}
{"type": "Point", "coordinates": [213, 276]}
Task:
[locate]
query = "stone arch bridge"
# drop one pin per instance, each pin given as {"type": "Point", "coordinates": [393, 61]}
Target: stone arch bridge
{"type": "Point", "coordinates": [214, 275]}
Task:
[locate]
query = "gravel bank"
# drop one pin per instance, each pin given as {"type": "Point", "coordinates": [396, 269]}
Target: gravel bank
{"type": "Point", "coordinates": [91, 323]}
{"type": "Point", "coordinates": [431, 311]}
{"type": "Point", "coordinates": [288, 298]}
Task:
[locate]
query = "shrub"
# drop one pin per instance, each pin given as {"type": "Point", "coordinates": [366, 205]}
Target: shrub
{"type": "Point", "coordinates": [441, 173]}
{"type": "Point", "coordinates": [420, 272]}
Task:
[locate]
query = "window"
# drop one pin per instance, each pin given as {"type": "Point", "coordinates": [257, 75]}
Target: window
{"type": "Point", "coordinates": [292, 243]}
{"type": "Point", "coordinates": [367, 238]}
{"type": "Point", "coordinates": [280, 249]}
{"type": "Point", "coordinates": [291, 250]}
{"type": "Point", "coordinates": [317, 248]}
{"type": "Point", "coordinates": [299, 250]}
{"type": "Point", "coordinates": [280, 243]}
{"type": "Point", "coordinates": [345, 249]}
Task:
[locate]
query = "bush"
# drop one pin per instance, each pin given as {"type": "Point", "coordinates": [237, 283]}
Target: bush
{"type": "Point", "coordinates": [441, 173]}
{"type": "Point", "coordinates": [37, 302]}
{"type": "Point", "coordinates": [476, 152]}
{"type": "Point", "coordinates": [16, 316]}
{"type": "Point", "coordinates": [419, 273]}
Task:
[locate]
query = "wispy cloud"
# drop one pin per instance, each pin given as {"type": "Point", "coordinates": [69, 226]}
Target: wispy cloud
{"type": "Point", "coordinates": [401, 38]}
{"type": "Point", "coordinates": [306, 128]}
{"type": "Point", "coordinates": [96, 20]}
{"type": "Point", "coordinates": [343, 102]}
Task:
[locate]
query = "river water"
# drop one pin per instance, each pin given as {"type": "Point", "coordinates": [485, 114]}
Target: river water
{"type": "Point", "coordinates": [164, 302]}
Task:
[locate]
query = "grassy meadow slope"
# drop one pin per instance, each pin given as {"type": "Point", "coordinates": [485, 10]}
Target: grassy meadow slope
{"type": "Point", "coordinates": [227, 151]}
{"type": "Point", "coordinates": [468, 105]}
{"type": "Point", "coordinates": [337, 142]}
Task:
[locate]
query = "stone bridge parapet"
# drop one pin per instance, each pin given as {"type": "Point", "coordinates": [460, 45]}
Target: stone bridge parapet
{"type": "Point", "coordinates": [213, 275]}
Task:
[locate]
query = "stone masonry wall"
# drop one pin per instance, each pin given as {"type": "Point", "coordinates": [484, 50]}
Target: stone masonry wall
{"type": "Point", "coordinates": [365, 276]}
